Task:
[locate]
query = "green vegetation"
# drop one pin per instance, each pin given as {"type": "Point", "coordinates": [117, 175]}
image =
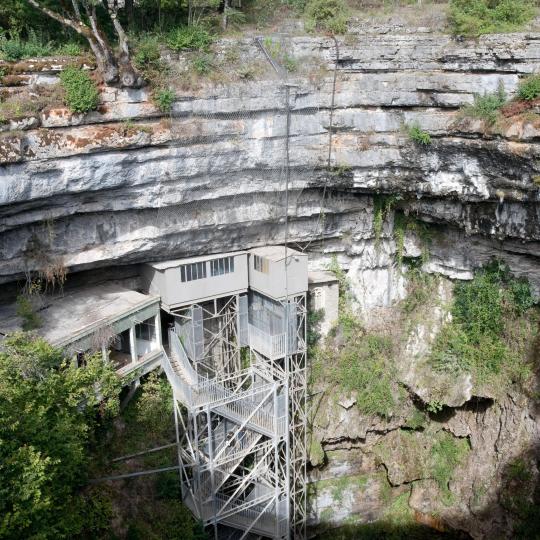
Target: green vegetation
{"type": "Point", "coordinates": [147, 507]}
{"type": "Point", "coordinates": [202, 64]}
{"type": "Point", "coordinates": [365, 369]}
{"type": "Point", "coordinates": [477, 17]}
{"type": "Point", "coordinates": [314, 319]}
{"type": "Point", "coordinates": [487, 106]}
{"type": "Point", "coordinates": [519, 470]}
{"type": "Point", "coordinates": [82, 94]}
{"type": "Point", "coordinates": [446, 454]}
{"type": "Point", "coordinates": [359, 363]}
{"type": "Point", "coordinates": [417, 420]}
{"type": "Point", "coordinates": [275, 50]}
{"type": "Point", "coordinates": [164, 99]}
{"type": "Point", "coordinates": [194, 38]}
{"type": "Point", "coordinates": [434, 407]}
{"type": "Point", "coordinates": [493, 323]}
{"type": "Point", "coordinates": [420, 289]}
{"type": "Point", "coordinates": [27, 312]}
{"type": "Point", "coordinates": [48, 412]}
{"type": "Point", "coordinates": [382, 206]}
{"type": "Point", "coordinates": [13, 47]}
{"type": "Point", "coordinates": [529, 88]}
{"type": "Point", "coordinates": [330, 15]}
{"type": "Point", "coordinates": [418, 135]}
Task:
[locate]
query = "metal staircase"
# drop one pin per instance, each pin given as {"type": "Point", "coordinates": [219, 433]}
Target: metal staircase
{"type": "Point", "coordinates": [234, 433]}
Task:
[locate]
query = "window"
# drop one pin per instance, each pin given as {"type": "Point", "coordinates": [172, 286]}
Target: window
{"type": "Point", "coordinates": [225, 265]}
{"type": "Point", "coordinates": [260, 264]}
{"type": "Point", "coordinates": [193, 271]}
{"type": "Point", "coordinates": [146, 330]}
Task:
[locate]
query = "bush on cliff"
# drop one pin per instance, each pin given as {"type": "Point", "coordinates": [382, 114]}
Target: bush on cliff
{"type": "Point", "coordinates": [529, 88]}
{"type": "Point", "coordinates": [330, 15]}
{"type": "Point", "coordinates": [477, 17]}
{"type": "Point", "coordinates": [82, 94]}
{"type": "Point", "coordinates": [486, 106]}
{"type": "Point", "coordinates": [492, 330]}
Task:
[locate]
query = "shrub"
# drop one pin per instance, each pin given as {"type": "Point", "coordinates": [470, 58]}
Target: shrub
{"type": "Point", "coordinates": [189, 37]}
{"type": "Point", "coordinates": [418, 135]}
{"type": "Point", "coordinates": [364, 369]}
{"type": "Point", "coordinates": [487, 107]}
{"type": "Point", "coordinates": [13, 48]}
{"type": "Point", "coordinates": [70, 49]}
{"type": "Point", "coordinates": [331, 15]}
{"type": "Point", "coordinates": [82, 94]}
{"type": "Point", "coordinates": [529, 88]}
{"type": "Point", "coordinates": [202, 64]}
{"type": "Point", "coordinates": [491, 329]}
{"type": "Point", "coordinates": [477, 17]}
{"type": "Point", "coordinates": [147, 53]}
{"type": "Point", "coordinates": [25, 310]}
{"type": "Point", "coordinates": [164, 99]}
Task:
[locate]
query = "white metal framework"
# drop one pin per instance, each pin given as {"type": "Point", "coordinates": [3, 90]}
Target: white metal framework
{"type": "Point", "coordinates": [237, 366]}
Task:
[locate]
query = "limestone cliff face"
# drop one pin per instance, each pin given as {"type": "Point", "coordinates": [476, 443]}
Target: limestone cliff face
{"type": "Point", "coordinates": [127, 184]}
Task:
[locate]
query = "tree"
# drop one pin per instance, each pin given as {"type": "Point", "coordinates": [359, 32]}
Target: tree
{"type": "Point", "coordinates": [48, 410]}
{"type": "Point", "coordinates": [81, 16]}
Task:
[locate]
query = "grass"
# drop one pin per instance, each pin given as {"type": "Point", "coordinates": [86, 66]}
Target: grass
{"type": "Point", "coordinates": [365, 370]}
{"type": "Point", "coordinates": [27, 312]}
{"type": "Point", "coordinates": [476, 17]}
{"type": "Point", "coordinates": [359, 363]}
{"type": "Point", "coordinates": [421, 289]}
{"type": "Point", "coordinates": [492, 330]}
{"type": "Point", "coordinates": [195, 38]}
{"type": "Point", "coordinates": [382, 206]}
{"type": "Point", "coordinates": [82, 94]}
{"type": "Point", "coordinates": [14, 48]}
{"type": "Point", "coordinates": [418, 135]}
{"type": "Point", "coordinates": [486, 107]}
{"type": "Point", "coordinates": [446, 454]}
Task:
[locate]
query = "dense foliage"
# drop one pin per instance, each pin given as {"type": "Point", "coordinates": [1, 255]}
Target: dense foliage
{"type": "Point", "coordinates": [331, 15]}
{"type": "Point", "coordinates": [529, 88]}
{"type": "Point", "coordinates": [146, 508]}
{"type": "Point", "coordinates": [477, 17]}
{"type": "Point", "coordinates": [82, 94]}
{"type": "Point", "coordinates": [493, 321]}
{"type": "Point", "coordinates": [48, 409]}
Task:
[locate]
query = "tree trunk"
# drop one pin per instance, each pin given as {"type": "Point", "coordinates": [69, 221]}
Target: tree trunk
{"type": "Point", "coordinates": [113, 70]}
{"type": "Point", "coordinates": [224, 16]}
{"type": "Point", "coordinates": [130, 11]}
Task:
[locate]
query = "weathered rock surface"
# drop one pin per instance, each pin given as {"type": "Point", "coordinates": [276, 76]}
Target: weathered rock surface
{"type": "Point", "coordinates": [212, 178]}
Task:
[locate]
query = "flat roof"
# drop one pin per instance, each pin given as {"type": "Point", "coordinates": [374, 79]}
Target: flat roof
{"type": "Point", "coordinates": [275, 253]}
{"type": "Point", "coordinates": [177, 262]}
{"type": "Point", "coordinates": [321, 276]}
{"type": "Point", "coordinates": [76, 313]}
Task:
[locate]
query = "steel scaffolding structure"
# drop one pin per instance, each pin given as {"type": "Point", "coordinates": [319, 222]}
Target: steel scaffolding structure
{"type": "Point", "coordinates": [239, 390]}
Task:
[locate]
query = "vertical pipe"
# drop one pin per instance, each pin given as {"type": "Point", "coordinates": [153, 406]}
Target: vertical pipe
{"type": "Point", "coordinates": [132, 344]}
{"type": "Point", "coordinates": [178, 451]}
{"type": "Point", "coordinates": [157, 323]}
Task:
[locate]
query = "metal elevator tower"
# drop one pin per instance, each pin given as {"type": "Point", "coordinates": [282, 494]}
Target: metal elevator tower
{"type": "Point", "coordinates": [237, 366]}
